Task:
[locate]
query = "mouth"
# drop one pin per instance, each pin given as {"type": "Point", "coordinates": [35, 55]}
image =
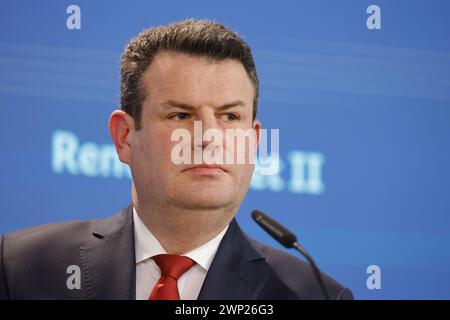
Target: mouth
{"type": "Point", "coordinates": [205, 169]}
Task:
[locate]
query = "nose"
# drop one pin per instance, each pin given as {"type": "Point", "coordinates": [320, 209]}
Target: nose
{"type": "Point", "coordinates": [206, 121]}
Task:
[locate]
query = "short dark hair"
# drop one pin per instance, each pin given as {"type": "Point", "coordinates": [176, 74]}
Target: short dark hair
{"type": "Point", "coordinates": [195, 37]}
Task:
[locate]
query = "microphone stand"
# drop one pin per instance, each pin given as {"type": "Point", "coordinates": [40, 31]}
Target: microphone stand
{"type": "Point", "coordinates": [314, 268]}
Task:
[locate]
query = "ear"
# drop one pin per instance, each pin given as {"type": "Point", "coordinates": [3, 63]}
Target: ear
{"type": "Point", "coordinates": [121, 128]}
{"type": "Point", "coordinates": [257, 128]}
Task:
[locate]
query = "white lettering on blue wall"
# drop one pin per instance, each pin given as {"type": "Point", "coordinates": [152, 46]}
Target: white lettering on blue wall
{"type": "Point", "coordinates": [301, 173]}
{"type": "Point", "coordinates": [90, 159]}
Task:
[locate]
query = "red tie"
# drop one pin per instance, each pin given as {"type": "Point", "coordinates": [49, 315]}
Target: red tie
{"type": "Point", "coordinates": [172, 268]}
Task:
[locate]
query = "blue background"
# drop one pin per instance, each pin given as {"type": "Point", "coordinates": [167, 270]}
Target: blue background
{"type": "Point", "coordinates": [374, 103]}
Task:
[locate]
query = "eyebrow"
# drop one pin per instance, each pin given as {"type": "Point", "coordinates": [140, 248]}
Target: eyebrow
{"type": "Point", "coordinates": [184, 106]}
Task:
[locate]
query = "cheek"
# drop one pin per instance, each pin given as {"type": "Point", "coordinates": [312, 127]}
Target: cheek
{"type": "Point", "coordinates": [151, 160]}
{"type": "Point", "coordinates": [163, 143]}
{"type": "Point", "coordinates": [249, 168]}
{"type": "Point", "coordinates": [158, 147]}
{"type": "Point", "coordinates": [146, 147]}
{"type": "Point", "coordinates": [243, 173]}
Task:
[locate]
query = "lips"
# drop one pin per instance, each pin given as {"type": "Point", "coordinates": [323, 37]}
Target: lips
{"type": "Point", "coordinates": [205, 168]}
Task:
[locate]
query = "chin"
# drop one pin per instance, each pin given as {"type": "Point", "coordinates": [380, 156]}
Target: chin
{"type": "Point", "coordinates": [203, 200]}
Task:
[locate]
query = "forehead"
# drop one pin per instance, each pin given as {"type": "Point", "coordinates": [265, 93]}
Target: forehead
{"type": "Point", "coordinates": [196, 79]}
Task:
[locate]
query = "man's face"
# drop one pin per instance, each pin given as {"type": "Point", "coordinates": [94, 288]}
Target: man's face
{"type": "Point", "coordinates": [179, 90]}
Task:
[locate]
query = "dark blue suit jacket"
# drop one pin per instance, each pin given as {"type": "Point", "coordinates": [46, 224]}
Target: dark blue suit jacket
{"type": "Point", "coordinates": [34, 262]}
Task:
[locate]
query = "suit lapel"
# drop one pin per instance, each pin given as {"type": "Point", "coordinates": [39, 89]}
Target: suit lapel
{"type": "Point", "coordinates": [108, 261]}
{"type": "Point", "coordinates": [238, 271]}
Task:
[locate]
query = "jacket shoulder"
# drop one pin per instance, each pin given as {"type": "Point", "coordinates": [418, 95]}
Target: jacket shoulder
{"type": "Point", "coordinates": [33, 258]}
{"type": "Point", "coordinates": [63, 235]}
{"type": "Point", "coordinates": [48, 236]}
{"type": "Point", "coordinates": [297, 274]}
{"type": "Point", "coordinates": [36, 263]}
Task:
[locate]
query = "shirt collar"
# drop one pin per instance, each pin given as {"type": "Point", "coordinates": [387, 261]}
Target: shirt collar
{"type": "Point", "coordinates": [147, 246]}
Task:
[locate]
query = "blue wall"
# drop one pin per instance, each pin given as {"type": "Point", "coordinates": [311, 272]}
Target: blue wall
{"type": "Point", "coordinates": [372, 105]}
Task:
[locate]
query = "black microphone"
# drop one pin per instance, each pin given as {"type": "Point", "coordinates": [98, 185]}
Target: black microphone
{"type": "Point", "coordinates": [288, 240]}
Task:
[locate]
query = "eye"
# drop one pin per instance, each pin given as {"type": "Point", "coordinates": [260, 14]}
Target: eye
{"type": "Point", "coordinates": [232, 116]}
{"type": "Point", "coordinates": [180, 116]}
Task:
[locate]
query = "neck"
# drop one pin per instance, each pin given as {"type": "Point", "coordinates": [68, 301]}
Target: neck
{"type": "Point", "coordinates": [181, 230]}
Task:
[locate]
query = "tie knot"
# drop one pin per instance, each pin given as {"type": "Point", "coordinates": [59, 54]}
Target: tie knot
{"type": "Point", "coordinates": [173, 265]}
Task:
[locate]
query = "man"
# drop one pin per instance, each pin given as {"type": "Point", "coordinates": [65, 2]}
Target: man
{"type": "Point", "coordinates": [178, 239]}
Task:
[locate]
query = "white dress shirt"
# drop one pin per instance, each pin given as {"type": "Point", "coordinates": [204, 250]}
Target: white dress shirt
{"type": "Point", "coordinates": [148, 272]}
